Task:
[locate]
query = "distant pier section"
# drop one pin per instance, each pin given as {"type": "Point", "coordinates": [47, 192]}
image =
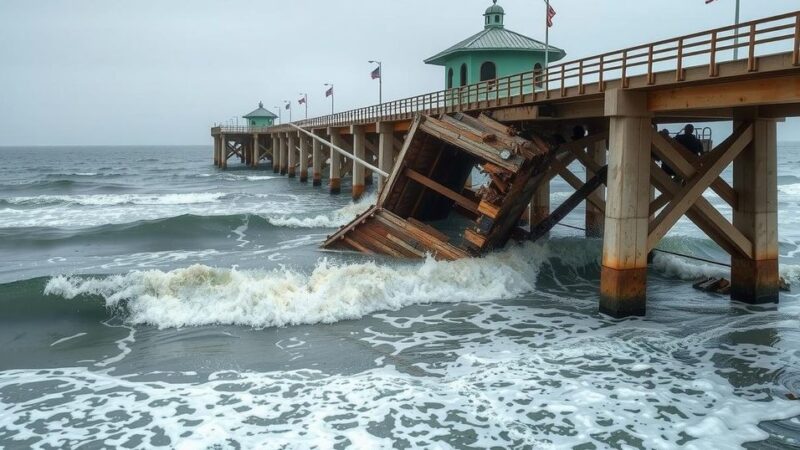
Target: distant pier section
{"type": "Point", "coordinates": [604, 112]}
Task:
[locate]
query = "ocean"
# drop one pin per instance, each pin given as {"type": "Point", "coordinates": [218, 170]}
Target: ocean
{"type": "Point", "coordinates": [148, 299]}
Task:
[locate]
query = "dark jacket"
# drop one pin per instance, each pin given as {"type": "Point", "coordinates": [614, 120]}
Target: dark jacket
{"type": "Point", "coordinates": [691, 143]}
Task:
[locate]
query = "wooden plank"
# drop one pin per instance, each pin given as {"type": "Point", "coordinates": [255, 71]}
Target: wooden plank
{"type": "Point", "coordinates": [428, 229]}
{"type": "Point", "coordinates": [756, 92]}
{"type": "Point", "coordinates": [706, 217]}
{"type": "Point", "coordinates": [695, 187]}
{"type": "Point", "coordinates": [543, 227]}
{"type": "Point", "coordinates": [488, 209]}
{"type": "Point", "coordinates": [469, 144]}
{"type": "Point", "coordinates": [441, 189]}
{"type": "Point", "coordinates": [683, 162]}
{"type": "Point", "coordinates": [390, 182]}
{"type": "Point", "coordinates": [474, 238]}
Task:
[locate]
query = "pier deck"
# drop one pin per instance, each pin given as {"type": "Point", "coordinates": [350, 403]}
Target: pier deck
{"type": "Point", "coordinates": [617, 99]}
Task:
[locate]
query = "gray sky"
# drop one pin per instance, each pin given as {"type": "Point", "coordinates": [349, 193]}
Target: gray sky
{"type": "Point", "coordinates": [161, 72]}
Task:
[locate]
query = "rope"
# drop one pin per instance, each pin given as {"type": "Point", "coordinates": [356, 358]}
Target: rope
{"type": "Point", "coordinates": [696, 258]}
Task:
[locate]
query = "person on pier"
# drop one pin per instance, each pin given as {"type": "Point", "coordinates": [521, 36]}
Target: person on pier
{"type": "Point", "coordinates": [689, 140]}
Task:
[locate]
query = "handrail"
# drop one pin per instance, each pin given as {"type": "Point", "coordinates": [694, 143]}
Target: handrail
{"type": "Point", "coordinates": [630, 62]}
{"type": "Point", "coordinates": [339, 150]}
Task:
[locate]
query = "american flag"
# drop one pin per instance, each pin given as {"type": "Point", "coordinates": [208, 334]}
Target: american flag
{"type": "Point", "coordinates": [552, 13]}
{"type": "Point", "coordinates": [288, 106]}
{"type": "Point", "coordinates": [329, 92]}
{"type": "Point", "coordinates": [302, 100]}
{"type": "Point", "coordinates": [709, 1]}
{"type": "Point", "coordinates": [376, 73]}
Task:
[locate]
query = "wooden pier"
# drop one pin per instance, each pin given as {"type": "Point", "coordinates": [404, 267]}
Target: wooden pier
{"type": "Point", "coordinates": [618, 99]}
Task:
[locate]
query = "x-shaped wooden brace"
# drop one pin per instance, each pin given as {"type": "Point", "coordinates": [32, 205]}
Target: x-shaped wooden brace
{"type": "Point", "coordinates": [688, 199]}
{"type": "Point", "coordinates": [575, 150]}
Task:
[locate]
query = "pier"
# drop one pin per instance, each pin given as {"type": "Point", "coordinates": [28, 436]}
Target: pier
{"type": "Point", "coordinates": [618, 99]}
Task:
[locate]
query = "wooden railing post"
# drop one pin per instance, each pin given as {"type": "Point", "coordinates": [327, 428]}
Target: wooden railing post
{"type": "Point", "coordinates": [624, 69]}
{"type": "Point", "coordinates": [713, 69]}
{"type": "Point", "coordinates": [601, 83]}
{"type": "Point", "coordinates": [563, 79]}
{"type": "Point", "coordinates": [796, 51]}
{"type": "Point", "coordinates": [581, 90]}
{"type": "Point", "coordinates": [752, 65]}
{"type": "Point", "coordinates": [651, 78]}
{"type": "Point", "coordinates": [679, 73]}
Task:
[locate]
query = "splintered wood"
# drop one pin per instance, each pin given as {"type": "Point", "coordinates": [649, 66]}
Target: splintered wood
{"type": "Point", "coordinates": [428, 185]}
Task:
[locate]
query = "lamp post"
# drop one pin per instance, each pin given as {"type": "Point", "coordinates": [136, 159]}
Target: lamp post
{"type": "Point", "coordinates": [736, 38]}
{"type": "Point", "coordinates": [380, 80]}
{"type": "Point", "coordinates": [288, 105]}
{"type": "Point", "coordinates": [329, 93]}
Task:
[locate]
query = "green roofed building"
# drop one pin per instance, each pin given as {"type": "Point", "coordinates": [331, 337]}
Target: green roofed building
{"type": "Point", "coordinates": [260, 117]}
{"type": "Point", "coordinates": [493, 53]}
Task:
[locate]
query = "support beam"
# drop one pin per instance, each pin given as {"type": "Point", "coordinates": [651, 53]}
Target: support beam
{"type": "Point", "coordinates": [720, 158]}
{"type": "Point", "coordinates": [359, 152]}
{"type": "Point", "coordinates": [336, 161]}
{"type": "Point", "coordinates": [284, 153]}
{"type": "Point", "coordinates": [217, 146]}
{"type": "Point", "coordinates": [256, 151]}
{"type": "Point", "coordinates": [303, 158]}
{"type": "Point", "coordinates": [595, 217]}
{"type": "Point", "coordinates": [291, 138]}
{"type": "Point", "coordinates": [771, 91]}
{"type": "Point", "coordinates": [623, 278]}
{"type": "Point", "coordinates": [385, 148]}
{"type": "Point", "coordinates": [276, 153]}
{"type": "Point", "coordinates": [223, 162]}
{"type": "Point", "coordinates": [316, 162]}
{"type": "Point", "coordinates": [442, 190]}
{"type": "Point", "coordinates": [755, 280]}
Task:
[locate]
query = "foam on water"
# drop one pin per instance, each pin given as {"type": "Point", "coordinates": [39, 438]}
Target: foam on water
{"type": "Point", "coordinates": [201, 295]}
{"type": "Point", "coordinates": [507, 376]}
{"type": "Point", "coordinates": [334, 219]}
{"type": "Point", "coordinates": [119, 199]}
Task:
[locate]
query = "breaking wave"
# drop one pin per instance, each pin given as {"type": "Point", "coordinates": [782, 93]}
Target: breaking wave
{"type": "Point", "coordinates": [334, 219]}
{"type": "Point", "coordinates": [116, 199]}
{"type": "Point", "coordinates": [331, 292]}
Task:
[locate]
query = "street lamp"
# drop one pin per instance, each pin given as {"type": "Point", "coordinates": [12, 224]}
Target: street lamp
{"type": "Point", "coordinates": [380, 80]}
{"type": "Point", "coordinates": [329, 93]}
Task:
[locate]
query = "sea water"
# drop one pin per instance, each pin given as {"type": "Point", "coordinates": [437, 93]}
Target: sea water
{"type": "Point", "coordinates": [148, 299]}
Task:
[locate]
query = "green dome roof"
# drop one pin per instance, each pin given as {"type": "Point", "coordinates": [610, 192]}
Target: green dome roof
{"type": "Point", "coordinates": [494, 9]}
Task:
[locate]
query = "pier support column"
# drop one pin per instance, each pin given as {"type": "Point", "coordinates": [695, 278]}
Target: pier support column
{"type": "Point", "coordinates": [284, 153]}
{"type": "Point", "coordinates": [316, 162]}
{"type": "Point", "coordinates": [540, 203]}
{"type": "Point", "coordinates": [216, 150]}
{"type": "Point", "coordinates": [256, 151]}
{"type": "Point", "coordinates": [223, 156]}
{"type": "Point", "coordinates": [595, 218]}
{"type": "Point", "coordinates": [359, 151]}
{"type": "Point", "coordinates": [276, 153]}
{"type": "Point", "coordinates": [292, 162]}
{"type": "Point", "coordinates": [757, 280]}
{"type": "Point", "coordinates": [336, 161]}
{"type": "Point", "coordinates": [623, 277]}
{"type": "Point", "coordinates": [303, 158]}
{"type": "Point", "coordinates": [385, 148]}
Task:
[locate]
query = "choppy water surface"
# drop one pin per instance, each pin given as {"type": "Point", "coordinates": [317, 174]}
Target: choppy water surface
{"type": "Point", "coordinates": [147, 299]}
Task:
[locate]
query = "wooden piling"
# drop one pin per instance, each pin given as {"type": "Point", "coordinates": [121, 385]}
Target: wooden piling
{"type": "Point", "coordinates": [595, 217]}
{"type": "Point", "coordinates": [336, 161]}
{"type": "Point", "coordinates": [276, 153]}
{"type": "Point", "coordinates": [756, 280]}
{"type": "Point", "coordinates": [284, 153]}
{"type": "Point", "coordinates": [385, 148]}
{"type": "Point", "coordinates": [623, 278]}
{"type": "Point", "coordinates": [303, 158]}
{"type": "Point", "coordinates": [291, 139]}
{"type": "Point", "coordinates": [316, 162]}
{"type": "Point", "coordinates": [359, 151]}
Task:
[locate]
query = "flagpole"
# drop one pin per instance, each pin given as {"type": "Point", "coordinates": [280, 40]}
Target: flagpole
{"type": "Point", "coordinates": [332, 93]}
{"type": "Point", "coordinates": [546, 40]}
{"type": "Point", "coordinates": [280, 114]}
{"type": "Point", "coordinates": [380, 81]}
{"type": "Point", "coordinates": [288, 106]}
{"type": "Point", "coordinates": [305, 102]}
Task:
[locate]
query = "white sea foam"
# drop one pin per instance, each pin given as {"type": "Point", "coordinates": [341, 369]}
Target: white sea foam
{"type": "Point", "coordinates": [499, 376]}
{"type": "Point", "coordinates": [690, 270]}
{"type": "Point", "coordinates": [120, 199]}
{"type": "Point", "coordinates": [334, 219]}
{"type": "Point", "coordinates": [200, 295]}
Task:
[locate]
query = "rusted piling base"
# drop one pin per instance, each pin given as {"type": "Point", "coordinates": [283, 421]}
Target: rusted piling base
{"type": "Point", "coordinates": [317, 181]}
{"type": "Point", "coordinates": [336, 186]}
{"type": "Point", "coordinates": [623, 293]}
{"type": "Point", "coordinates": [358, 191]}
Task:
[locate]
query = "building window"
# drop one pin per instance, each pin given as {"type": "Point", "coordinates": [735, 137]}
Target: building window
{"type": "Point", "coordinates": [488, 71]}
{"type": "Point", "coordinates": [463, 75]}
{"type": "Point", "coordinates": [487, 20]}
{"type": "Point", "coordinates": [537, 75]}
{"type": "Point", "coordinates": [449, 78]}
{"type": "Point", "coordinates": [496, 19]}
{"type": "Point", "coordinates": [253, 122]}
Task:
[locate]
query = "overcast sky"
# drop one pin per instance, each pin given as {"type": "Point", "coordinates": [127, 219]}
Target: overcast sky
{"type": "Point", "coordinates": [161, 72]}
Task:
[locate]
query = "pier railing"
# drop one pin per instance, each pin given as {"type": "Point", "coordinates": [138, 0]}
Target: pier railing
{"type": "Point", "coordinates": [773, 35]}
